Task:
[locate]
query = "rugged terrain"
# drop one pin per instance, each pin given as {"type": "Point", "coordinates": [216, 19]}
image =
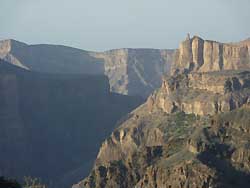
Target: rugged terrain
{"type": "Point", "coordinates": [130, 71]}
{"type": "Point", "coordinates": [195, 54]}
{"type": "Point", "coordinates": [202, 93]}
{"type": "Point", "coordinates": [136, 71]}
{"type": "Point", "coordinates": [51, 123]}
{"type": "Point", "coordinates": [194, 131]}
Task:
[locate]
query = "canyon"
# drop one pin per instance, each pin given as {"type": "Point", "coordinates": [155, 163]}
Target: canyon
{"type": "Point", "coordinates": [52, 124]}
{"type": "Point", "coordinates": [59, 103]}
{"type": "Point", "coordinates": [191, 132]}
{"type": "Point", "coordinates": [134, 72]}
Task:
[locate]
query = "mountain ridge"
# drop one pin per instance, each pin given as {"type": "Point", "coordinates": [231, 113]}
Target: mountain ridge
{"type": "Point", "coordinates": [130, 78]}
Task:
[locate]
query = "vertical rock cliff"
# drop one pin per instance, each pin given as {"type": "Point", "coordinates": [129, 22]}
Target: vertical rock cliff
{"type": "Point", "coordinates": [136, 71]}
{"type": "Point", "coordinates": [201, 55]}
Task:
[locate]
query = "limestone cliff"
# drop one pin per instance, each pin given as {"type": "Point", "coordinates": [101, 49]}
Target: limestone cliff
{"type": "Point", "coordinates": [136, 71]}
{"type": "Point", "coordinates": [201, 55]}
{"type": "Point", "coordinates": [202, 93]}
{"type": "Point", "coordinates": [130, 71]}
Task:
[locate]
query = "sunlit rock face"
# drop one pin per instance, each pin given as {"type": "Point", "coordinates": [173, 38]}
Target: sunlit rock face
{"type": "Point", "coordinates": [202, 93]}
{"type": "Point", "coordinates": [201, 55]}
{"type": "Point", "coordinates": [152, 149]}
{"type": "Point", "coordinates": [208, 77]}
{"type": "Point", "coordinates": [191, 132]}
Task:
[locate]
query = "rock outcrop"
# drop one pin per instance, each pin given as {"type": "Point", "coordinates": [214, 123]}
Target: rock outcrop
{"type": "Point", "coordinates": [130, 71]}
{"type": "Point", "coordinates": [201, 55]}
{"type": "Point", "coordinates": [176, 150]}
{"type": "Point", "coordinates": [51, 123]}
{"type": "Point", "coordinates": [202, 93]}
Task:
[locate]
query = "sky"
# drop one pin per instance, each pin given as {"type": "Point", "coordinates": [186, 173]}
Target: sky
{"type": "Point", "coordinates": [108, 24]}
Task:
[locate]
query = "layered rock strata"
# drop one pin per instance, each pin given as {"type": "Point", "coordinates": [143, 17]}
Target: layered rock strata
{"type": "Point", "coordinates": [201, 55]}
{"type": "Point", "coordinates": [202, 93]}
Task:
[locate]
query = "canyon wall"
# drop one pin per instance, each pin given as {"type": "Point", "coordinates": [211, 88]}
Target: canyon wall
{"type": "Point", "coordinates": [130, 71]}
{"type": "Point", "coordinates": [136, 71]}
{"type": "Point", "coordinates": [191, 132]}
{"type": "Point", "coordinates": [201, 55]}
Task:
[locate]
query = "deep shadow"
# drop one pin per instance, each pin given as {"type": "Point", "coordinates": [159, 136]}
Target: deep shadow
{"type": "Point", "coordinates": [217, 157]}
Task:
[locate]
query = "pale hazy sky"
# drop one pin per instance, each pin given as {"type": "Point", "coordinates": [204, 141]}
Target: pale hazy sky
{"type": "Point", "coordinates": [107, 24]}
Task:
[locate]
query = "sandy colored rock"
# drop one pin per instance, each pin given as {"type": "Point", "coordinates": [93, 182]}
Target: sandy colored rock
{"type": "Point", "coordinates": [192, 132]}
{"type": "Point", "coordinates": [201, 55]}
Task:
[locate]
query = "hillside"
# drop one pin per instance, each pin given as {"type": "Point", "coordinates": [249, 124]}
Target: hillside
{"type": "Point", "coordinates": [192, 132]}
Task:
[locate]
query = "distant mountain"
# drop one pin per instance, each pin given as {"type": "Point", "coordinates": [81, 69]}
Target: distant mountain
{"type": "Point", "coordinates": [130, 71]}
{"type": "Point", "coordinates": [136, 71]}
{"type": "Point", "coordinates": [192, 132]}
{"type": "Point", "coordinates": [52, 124]}
{"type": "Point", "coordinates": [50, 58]}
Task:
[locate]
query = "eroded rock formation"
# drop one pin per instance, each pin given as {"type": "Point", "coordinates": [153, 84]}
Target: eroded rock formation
{"type": "Point", "coordinates": [177, 150]}
{"type": "Point", "coordinates": [201, 55]}
{"type": "Point", "coordinates": [202, 93]}
{"type": "Point", "coordinates": [192, 132]}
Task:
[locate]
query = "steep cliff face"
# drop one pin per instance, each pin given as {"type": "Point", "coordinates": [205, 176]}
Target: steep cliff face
{"type": "Point", "coordinates": [201, 55]}
{"type": "Point", "coordinates": [130, 71]}
{"type": "Point", "coordinates": [136, 71]}
{"type": "Point", "coordinates": [49, 123]}
{"type": "Point", "coordinates": [202, 93]}
{"type": "Point", "coordinates": [191, 132]}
